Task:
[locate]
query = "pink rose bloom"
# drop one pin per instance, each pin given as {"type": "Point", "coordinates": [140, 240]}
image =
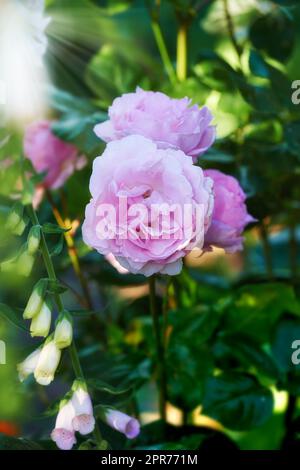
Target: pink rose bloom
{"type": "Point", "coordinates": [123, 423]}
{"type": "Point", "coordinates": [49, 154]}
{"type": "Point", "coordinates": [169, 122]}
{"type": "Point", "coordinates": [230, 215]}
{"type": "Point", "coordinates": [149, 206]}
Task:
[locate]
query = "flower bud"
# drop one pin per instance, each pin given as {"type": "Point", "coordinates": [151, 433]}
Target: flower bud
{"type": "Point", "coordinates": [47, 363]}
{"type": "Point", "coordinates": [64, 331]}
{"type": "Point", "coordinates": [40, 324]}
{"type": "Point", "coordinates": [123, 423]}
{"type": "Point", "coordinates": [28, 366]}
{"type": "Point", "coordinates": [35, 301]}
{"type": "Point", "coordinates": [24, 264]}
{"type": "Point", "coordinates": [19, 229]}
{"type": "Point", "coordinates": [14, 218]}
{"type": "Point", "coordinates": [34, 238]}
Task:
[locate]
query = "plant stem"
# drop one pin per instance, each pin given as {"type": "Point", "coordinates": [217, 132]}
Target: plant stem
{"type": "Point", "coordinates": [181, 66]}
{"type": "Point", "coordinates": [72, 251]}
{"type": "Point", "coordinates": [52, 275]}
{"type": "Point", "coordinates": [163, 51]}
{"type": "Point", "coordinates": [293, 253]}
{"type": "Point", "coordinates": [266, 249]}
{"type": "Point", "coordinates": [288, 421]}
{"type": "Point", "coordinates": [231, 31]}
{"type": "Point", "coordinates": [162, 384]}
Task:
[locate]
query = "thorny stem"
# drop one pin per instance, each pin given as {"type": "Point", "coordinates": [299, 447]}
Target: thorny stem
{"type": "Point", "coordinates": [162, 385]}
{"type": "Point", "coordinates": [52, 276]}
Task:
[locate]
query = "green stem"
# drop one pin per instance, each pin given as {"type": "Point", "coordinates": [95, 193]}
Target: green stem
{"type": "Point", "coordinates": [163, 51]}
{"type": "Point", "coordinates": [267, 250]}
{"type": "Point", "coordinates": [293, 253]}
{"type": "Point", "coordinates": [181, 67]}
{"type": "Point", "coordinates": [162, 384]}
{"type": "Point", "coordinates": [52, 275]}
{"type": "Point", "coordinates": [231, 32]}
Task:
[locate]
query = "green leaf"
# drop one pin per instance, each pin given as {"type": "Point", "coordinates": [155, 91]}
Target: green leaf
{"type": "Point", "coordinates": [189, 359]}
{"type": "Point", "coordinates": [237, 400]}
{"type": "Point", "coordinates": [78, 118]}
{"type": "Point", "coordinates": [256, 308]}
{"type": "Point", "coordinates": [286, 3]}
{"type": "Point", "coordinates": [12, 443]}
{"type": "Point", "coordinates": [10, 315]}
{"type": "Point", "coordinates": [114, 7]}
{"type": "Point", "coordinates": [58, 247]}
{"type": "Point", "coordinates": [54, 228]}
{"type": "Point", "coordinates": [250, 354]}
{"type": "Point", "coordinates": [98, 384]}
{"type": "Point", "coordinates": [292, 136]}
{"type": "Point", "coordinates": [274, 34]}
{"type": "Point", "coordinates": [55, 287]}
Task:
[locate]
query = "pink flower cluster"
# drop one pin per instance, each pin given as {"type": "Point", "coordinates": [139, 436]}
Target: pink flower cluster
{"type": "Point", "coordinates": [153, 141]}
{"type": "Point", "coordinates": [75, 414]}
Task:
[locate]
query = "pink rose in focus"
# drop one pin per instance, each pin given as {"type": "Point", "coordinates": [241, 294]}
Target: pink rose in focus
{"type": "Point", "coordinates": [133, 173]}
{"type": "Point", "coordinates": [169, 122]}
{"type": "Point", "coordinates": [230, 215]}
{"type": "Point", "coordinates": [49, 154]}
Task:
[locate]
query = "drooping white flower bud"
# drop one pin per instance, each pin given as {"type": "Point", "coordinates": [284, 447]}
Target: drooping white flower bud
{"type": "Point", "coordinates": [28, 366]}
{"type": "Point", "coordinates": [35, 301]}
{"type": "Point", "coordinates": [47, 363]}
{"type": "Point", "coordinates": [63, 434]}
{"type": "Point", "coordinates": [40, 324]}
{"type": "Point", "coordinates": [64, 331]}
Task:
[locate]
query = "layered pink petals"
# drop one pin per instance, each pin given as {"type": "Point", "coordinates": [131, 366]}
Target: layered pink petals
{"type": "Point", "coordinates": [230, 215]}
{"type": "Point", "coordinates": [51, 155]}
{"type": "Point", "coordinates": [171, 123]}
{"type": "Point", "coordinates": [134, 173]}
